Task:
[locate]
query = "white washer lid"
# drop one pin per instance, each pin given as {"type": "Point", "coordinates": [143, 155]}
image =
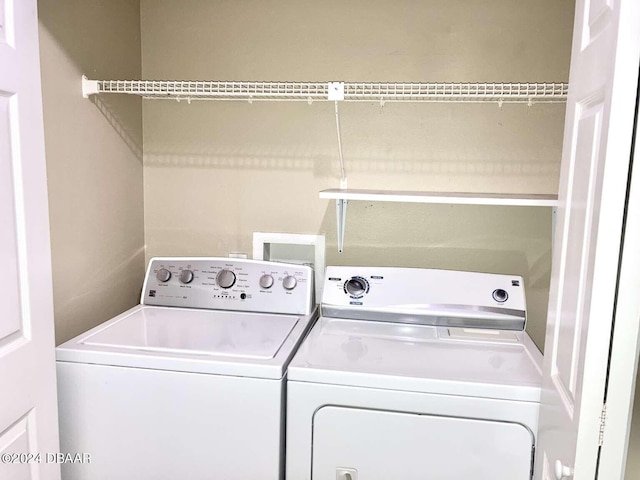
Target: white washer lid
{"type": "Point", "coordinates": [242, 335]}
{"type": "Point", "coordinates": [468, 362]}
{"type": "Point", "coordinates": [203, 341]}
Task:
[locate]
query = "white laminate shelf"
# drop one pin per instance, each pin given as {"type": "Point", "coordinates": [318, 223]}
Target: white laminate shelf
{"type": "Point", "coordinates": [342, 197]}
{"type": "Point", "coordinates": [516, 200]}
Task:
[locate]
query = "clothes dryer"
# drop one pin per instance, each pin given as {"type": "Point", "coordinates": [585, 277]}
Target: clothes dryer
{"type": "Point", "coordinates": [414, 374]}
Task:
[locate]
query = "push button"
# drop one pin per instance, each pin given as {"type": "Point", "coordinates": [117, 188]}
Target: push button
{"type": "Point", "coordinates": [500, 295]}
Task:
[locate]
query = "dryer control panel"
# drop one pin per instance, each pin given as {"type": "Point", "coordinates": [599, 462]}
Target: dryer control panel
{"type": "Point", "coordinates": [425, 296]}
{"type": "Point", "coordinates": [229, 284]}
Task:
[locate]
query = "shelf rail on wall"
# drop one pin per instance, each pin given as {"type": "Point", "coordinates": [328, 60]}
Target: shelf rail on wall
{"type": "Point", "coordinates": [529, 93]}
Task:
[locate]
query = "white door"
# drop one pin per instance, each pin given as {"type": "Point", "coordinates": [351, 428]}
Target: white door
{"type": "Point", "coordinates": [593, 184]}
{"type": "Point", "coordinates": [28, 416]}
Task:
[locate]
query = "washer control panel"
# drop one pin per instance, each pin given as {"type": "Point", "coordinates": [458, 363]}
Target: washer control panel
{"type": "Point", "coordinates": [229, 284]}
{"type": "Point", "coordinates": [425, 296]}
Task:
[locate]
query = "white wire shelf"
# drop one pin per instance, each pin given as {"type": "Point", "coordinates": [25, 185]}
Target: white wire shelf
{"type": "Point", "coordinates": [529, 93]}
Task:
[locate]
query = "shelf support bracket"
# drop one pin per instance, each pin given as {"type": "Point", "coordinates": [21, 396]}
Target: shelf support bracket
{"type": "Point", "coordinates": [341, 216]}
{"type": "Point", "coordinates": [89, 87]}
{"type": "Point", "coordinates": [336, 93]}
{"type": "Point", "coordinates": [554, 220]}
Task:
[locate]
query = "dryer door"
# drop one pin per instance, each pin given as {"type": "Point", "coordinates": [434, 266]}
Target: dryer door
{"type": "Point", "coordinates": [352, 444]}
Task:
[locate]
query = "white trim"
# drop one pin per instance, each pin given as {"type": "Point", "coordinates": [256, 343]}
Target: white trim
{"type": "Point", "coordinates": [626, 341]}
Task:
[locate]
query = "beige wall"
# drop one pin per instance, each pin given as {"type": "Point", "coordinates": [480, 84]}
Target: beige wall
{"type": "Point", "coordinates": [217, 171]}
{"type": "Point", "coordinates": [94, 160]}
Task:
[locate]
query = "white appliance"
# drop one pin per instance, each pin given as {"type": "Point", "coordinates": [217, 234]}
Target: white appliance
{"type": "Point", "coordinates": [414, 374]}
{"type": "Point", "coordinates": [190, 383]}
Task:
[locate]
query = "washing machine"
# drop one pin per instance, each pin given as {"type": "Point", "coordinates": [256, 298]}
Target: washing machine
{"type": "Point", "coordinates": [190, 383]}
{"type": "Point", "coordinates": [415, 374]}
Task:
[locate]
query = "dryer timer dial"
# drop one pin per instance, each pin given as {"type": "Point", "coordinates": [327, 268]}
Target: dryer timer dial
{"type": "Point", "coordinates": [356, 286]}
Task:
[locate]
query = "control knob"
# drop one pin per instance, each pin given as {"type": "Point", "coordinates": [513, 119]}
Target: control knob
{"type": "Point", "coordinates": [356, 286]}
{"type": "Point", "coordinates": [226, 278]}
{"type": "Point", "coordinates": [186, 276]}
{"type": "Point", "coordinates": [289, 282]}
{"type": "Point", "coordinates": [266, 281]}
{"type": "Point", "coordinates": [163, 275]}
{"type": "Point", "coordinates": [500, 295]}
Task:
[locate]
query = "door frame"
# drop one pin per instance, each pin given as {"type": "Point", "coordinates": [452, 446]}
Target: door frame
{"type": "Point", "coordinates": [625, 341]}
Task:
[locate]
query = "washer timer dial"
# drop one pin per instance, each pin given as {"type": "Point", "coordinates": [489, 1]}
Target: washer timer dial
{"type": "Point", "coordinates": [226, 278]}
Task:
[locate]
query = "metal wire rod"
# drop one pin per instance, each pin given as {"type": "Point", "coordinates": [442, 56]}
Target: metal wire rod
{"type": "Point", "coordinates": [343, 176]}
